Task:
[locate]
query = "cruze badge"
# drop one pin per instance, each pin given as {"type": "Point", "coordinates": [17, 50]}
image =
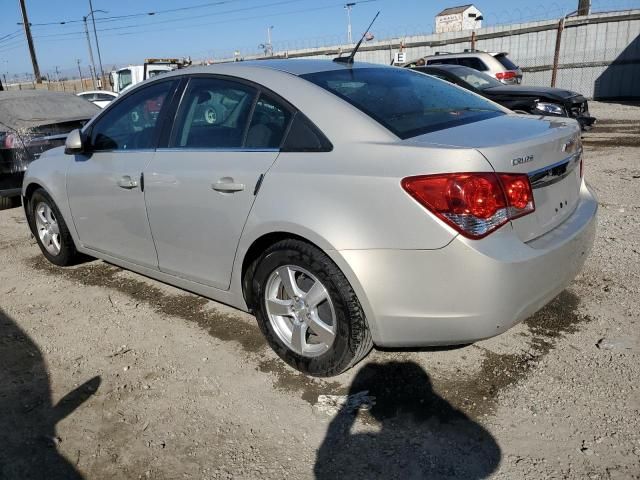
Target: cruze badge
{"type": "Point", "coordinates": [521, 160]}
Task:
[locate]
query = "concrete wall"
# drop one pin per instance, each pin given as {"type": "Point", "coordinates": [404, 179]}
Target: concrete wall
{"type": "Point", "coordinates": [599, 54]}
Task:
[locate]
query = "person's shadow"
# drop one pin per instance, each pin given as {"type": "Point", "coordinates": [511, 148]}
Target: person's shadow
{"type": "Point", "coordinates": [416, 433]}
{"type": "Point", "coordinates": [28, 441]}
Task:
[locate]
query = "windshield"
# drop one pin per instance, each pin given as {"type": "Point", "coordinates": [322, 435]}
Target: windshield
{"type": "Point", "coordinates": [475, 78]}
{"type": "Point", "coordinates": [406, 102]}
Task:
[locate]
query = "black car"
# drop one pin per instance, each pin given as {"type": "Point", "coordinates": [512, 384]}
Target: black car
{"type": "Point", "coordinates": [31, 122]}
{"type": "Point", "coordinates": [519, 98]}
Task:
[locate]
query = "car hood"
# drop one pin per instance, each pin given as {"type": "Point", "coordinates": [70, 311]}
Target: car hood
{"type": "Point", "coordinates": [25, 110]}
{"type": "Point", "coordinates": [531, 91]}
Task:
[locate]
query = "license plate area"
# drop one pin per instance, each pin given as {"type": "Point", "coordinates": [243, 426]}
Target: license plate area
{"type": "Point", "coordinates": [555, 202]}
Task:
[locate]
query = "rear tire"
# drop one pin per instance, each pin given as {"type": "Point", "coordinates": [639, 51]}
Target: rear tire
{"type": "Point", "coordinates": [333, 332]}
{"type": "Point", "coordinates": [50, 230]}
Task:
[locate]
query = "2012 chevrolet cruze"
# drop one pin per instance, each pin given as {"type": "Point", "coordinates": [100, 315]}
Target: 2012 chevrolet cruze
{"type": "Point", "coordinates": [346, 205]}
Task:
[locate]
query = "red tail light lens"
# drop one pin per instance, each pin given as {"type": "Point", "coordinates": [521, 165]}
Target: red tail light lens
{"type": "Point", "coordinates": [475, 204]}
{"type": "Point", "coordinates": [509, 74]}
{"type": "Point", "coordinates": [9, 140]}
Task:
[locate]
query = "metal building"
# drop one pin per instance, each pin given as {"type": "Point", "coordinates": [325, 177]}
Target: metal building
{"type": "Point", "coordinates": [457, 19]}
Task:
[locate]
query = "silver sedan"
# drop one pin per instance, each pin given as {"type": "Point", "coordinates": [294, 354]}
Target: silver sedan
{"type": "Point", "coordinates": [344, 205]}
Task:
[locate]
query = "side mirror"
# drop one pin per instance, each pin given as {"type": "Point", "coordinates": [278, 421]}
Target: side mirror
{"type": "Point", "coordinates": [73, 143]}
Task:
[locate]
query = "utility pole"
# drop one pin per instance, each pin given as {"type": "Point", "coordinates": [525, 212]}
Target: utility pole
{"type": "Point", "coordinates": [80, 74]}
{"type": "Point", "coordinates": [95, 34]}
{"type": "Point", "coordinates": [584, 7]}
{"type": "Point", "coordinates": [93, 63]}
{"type": "Point", "coordinates": [556, 55]}
{"type": "Point", "coordinates": [348, 7]}
{"type": "Point", "coordinates": [269, 45]}
{"type": "Point", "coordinates": [32, 50]}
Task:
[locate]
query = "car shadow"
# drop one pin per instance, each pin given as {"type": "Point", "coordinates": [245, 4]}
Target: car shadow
{"type": "Point", "coordinates": [28, 418]}
{"type": "Point", "coordinates": [409, 432]}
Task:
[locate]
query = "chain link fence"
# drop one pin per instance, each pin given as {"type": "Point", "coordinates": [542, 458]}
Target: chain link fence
{"type": "Point", "coordinates": [598, 55]}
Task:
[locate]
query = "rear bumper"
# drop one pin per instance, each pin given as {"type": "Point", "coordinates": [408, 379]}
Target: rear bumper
{"type": "Point", "coordinates": [468, 290]}
{"type": "Point", "coordinates": [11, 184]}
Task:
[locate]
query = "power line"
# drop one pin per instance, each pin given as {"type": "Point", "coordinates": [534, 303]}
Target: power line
{"type": "Point", "coordinates": [11, 35]}
{"type": "Point", "coordinates": [141, 14]}
{"type": "Point", "coordinates": [173, 20]}
{"type": "Point", "coordinates": [217, 14]}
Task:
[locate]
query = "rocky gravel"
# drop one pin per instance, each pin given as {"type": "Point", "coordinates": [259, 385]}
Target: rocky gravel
{"type": "Point", "coordinates": [107, 374]}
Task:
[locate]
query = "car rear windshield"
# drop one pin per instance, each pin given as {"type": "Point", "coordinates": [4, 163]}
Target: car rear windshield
{"type": "Point", "coordinates": [405, 102]}
{"type": "Point", "coordinates": [506, 63]}
{"type": "Point", "coordinates": [475, 78]}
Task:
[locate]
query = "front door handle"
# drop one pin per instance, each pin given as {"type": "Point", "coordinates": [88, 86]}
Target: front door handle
{"type": "Point", "coordinates": [227, 185]}
{"type": "Point", "coordinates": [127, 182]}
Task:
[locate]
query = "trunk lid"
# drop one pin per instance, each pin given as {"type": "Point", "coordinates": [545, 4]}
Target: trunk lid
{"type": "Point", "coordinates": [548, 149]}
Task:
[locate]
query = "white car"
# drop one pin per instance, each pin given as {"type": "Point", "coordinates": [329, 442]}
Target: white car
{"type": "Point", "coordinates": [101, 98]}
{"type": "Point", "coordinates": [345, 205]}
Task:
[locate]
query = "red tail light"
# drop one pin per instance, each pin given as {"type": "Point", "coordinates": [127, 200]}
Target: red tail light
{"type": "Point", "coordinates": [9, 140]}
{"type": "Point", "coordinates": [509, 74]}
{"type": "Point", "coordinates": [475, 204]}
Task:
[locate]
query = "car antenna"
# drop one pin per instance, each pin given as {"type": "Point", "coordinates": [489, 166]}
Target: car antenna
{"type": "Point", "coordinates": [349, 59]}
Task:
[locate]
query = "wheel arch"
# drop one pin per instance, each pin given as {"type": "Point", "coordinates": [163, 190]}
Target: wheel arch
{"type": "Point", "coordinates": [26, 201]}
{"type": "Point", "coordinates": [257, 247]}
{"type": "Point", "coordinates": [266, 239]}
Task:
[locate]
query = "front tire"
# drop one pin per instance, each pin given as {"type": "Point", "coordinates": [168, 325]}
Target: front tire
{"type": "Point", "coordinates": [307, 309]}
{"type": "Point", "coordinates": [50, 230]}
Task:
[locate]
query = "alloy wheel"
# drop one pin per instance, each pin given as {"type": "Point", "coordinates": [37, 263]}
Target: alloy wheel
{"type": "Point", "coordinates": [300, 310]}
{"type": "Point", "coordinates": [48, 228]}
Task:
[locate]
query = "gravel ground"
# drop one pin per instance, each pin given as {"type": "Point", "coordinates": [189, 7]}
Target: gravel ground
{"type": "Point", "coordinates": [107, 374]}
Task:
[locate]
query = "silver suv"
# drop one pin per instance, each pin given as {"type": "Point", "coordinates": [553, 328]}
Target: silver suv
{"type": "Point", "coordinates": [497, 65]}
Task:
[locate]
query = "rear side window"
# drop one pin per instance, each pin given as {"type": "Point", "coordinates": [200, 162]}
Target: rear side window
{"type": "Point", "coordinates": [506, 63]}
{"type": "Point", "coordinates": [213, 114]}
{"type": "Point", "coordinates": [268, 124]}
{"type": "Point", "coordinates": [405, 102]}
{"type": "Point", "coordinates": [443, 61]}
{"type": "Point", "coordinates": [304, 136]}
{"type": "Point", "coordinates": [474, 63]}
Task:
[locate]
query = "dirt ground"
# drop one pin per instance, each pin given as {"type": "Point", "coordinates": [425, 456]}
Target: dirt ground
{"type": "Point", "coordinates": [106, 374]}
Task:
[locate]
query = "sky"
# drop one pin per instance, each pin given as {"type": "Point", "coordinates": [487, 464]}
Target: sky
{"type": "Point", "coordinates": [215, 29]}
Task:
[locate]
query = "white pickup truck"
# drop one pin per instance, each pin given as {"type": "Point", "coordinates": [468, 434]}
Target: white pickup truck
{"type": "Point", "coordinates": [125, 77]}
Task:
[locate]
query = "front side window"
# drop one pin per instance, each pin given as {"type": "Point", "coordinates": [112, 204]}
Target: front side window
{"type": "Point", "coordinates": [405, 102]}
{"type": "Point", "coordinates": [130, 124]}
{"type": "Point", "coordinates": [124, 79]}
{"type": "Point", "coordinates": [214, 114]}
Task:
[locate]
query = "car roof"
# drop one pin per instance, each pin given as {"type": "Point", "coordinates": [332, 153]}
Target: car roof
{"type": "Point", "coordinates": [292, 66]}
{"type": "Point", "coordinates": [464, 54]}
{"type": "Point", "coordinates": [441, 66]}
{"type": "Point", "coordinates": [91, 92]}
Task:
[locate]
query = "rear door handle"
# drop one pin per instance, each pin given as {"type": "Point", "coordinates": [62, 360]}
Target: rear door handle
{"type": "Point", "coordinates": [227, 185]}
{"type": "Point", "coordinates": [127, 182]}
